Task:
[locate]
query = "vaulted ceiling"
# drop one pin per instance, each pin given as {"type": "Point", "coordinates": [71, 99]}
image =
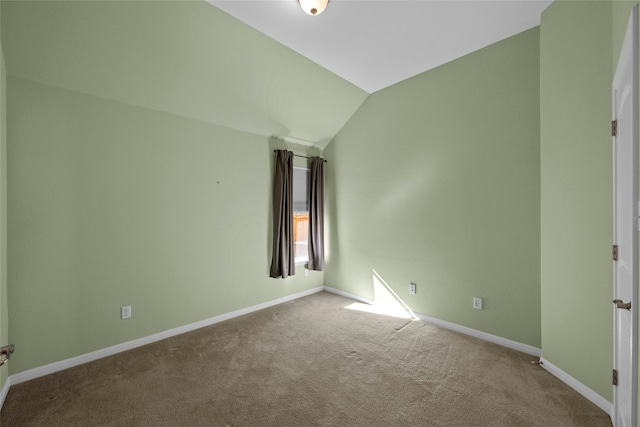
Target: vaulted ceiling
{"type": "Point", "coordinates": [285, 73]}
{"type": "Point", "coordinates": [376, 43]}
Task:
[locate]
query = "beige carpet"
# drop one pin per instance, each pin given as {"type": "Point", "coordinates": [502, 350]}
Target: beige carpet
{"type": "Point", "coordinates": [308, 362]}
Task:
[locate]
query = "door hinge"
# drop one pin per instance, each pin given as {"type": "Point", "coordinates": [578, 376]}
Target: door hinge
{"type": "Point", "coordinates": [614, 378]}
{"type": "Point", "coordinates": [614, 127]}
{"type": "Point", "coordinates": [615, 252]}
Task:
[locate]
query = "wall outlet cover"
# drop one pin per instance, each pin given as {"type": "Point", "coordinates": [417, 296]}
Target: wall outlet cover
{"type": "Point", "coordinates": [412, 288]}
{"type": "Point", "coordinates": [477, 303]}
{"type": "Point", "coordinates": [125, 312]}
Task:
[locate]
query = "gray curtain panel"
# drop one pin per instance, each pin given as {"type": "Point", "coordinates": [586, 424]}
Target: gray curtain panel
{"type": "Point", "coordinates": [316, 214]}
{"type": "Point", "coordinates": [283, 256]}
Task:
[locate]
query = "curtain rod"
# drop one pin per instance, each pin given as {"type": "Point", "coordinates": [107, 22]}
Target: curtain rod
{"type": "Point", "coordinates": [304, 157]}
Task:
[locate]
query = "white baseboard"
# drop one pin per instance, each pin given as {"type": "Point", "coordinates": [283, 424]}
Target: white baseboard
{"type": "Point", "coordinates": [514, 345]}
{"type": "Point", "coordinates": [99, 354]}
{"type": "Point", "coordinates": [585, 391]}
{"type": "Point", "coordinates": [4, 391]}
{"type": "Point", "coordinates": [349, 295]}
{"type": "Point", "coordinates": [525, 348]}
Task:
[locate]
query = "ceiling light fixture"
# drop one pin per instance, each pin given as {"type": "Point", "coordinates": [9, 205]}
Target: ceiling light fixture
{"type": "Point", "coordinates": [313, 7]}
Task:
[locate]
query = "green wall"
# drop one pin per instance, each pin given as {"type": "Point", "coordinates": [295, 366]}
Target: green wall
{"type": "Point", "coordinates": [576, 185]}
{"type": "Point", "coordinates": [435, 180]}
{"type": "Point", "coordinates": [111, 205]}
{"type": "Point", "coordinates": [4, 313]}
{"type": "Point", "coordinates": [186, 58]}
{"type": "Point", "coordinates": [139, 156]}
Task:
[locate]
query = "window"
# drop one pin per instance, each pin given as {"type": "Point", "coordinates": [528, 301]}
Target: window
{"type": "Point", "coordinates": [301, 213]}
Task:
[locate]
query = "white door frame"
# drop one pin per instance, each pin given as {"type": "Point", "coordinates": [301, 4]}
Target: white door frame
{"type": "Point", "coordinates": [627, 71]}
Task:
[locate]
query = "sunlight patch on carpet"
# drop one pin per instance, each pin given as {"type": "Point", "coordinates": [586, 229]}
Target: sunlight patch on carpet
{"type": "Point", "coordinates": [385, 296]}
{"type": "Point", "coordinates": [386, 301]}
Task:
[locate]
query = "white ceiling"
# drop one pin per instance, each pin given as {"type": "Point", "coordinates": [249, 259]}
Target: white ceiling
{"type": "Point", "coordinates": [376, 43]}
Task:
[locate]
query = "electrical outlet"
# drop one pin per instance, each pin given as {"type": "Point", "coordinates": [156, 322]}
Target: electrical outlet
{"type": "Point", "coordinates": [477, 303]}
{"type": "Point", "coordinates": [125, 312]}
{"type": "Point", "coordinates": [412, 288]}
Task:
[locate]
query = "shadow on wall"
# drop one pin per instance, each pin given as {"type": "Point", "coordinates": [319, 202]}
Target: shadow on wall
{"type": "Point", "coordinates": [385, 302]}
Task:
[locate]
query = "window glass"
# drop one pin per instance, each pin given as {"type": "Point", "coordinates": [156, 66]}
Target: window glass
{"type": "Point", "coordinates": [301, 213]}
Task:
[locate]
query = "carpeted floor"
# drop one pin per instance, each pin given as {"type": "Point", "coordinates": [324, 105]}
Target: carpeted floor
{"type": "Point", "coordinates": [308, 362]}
